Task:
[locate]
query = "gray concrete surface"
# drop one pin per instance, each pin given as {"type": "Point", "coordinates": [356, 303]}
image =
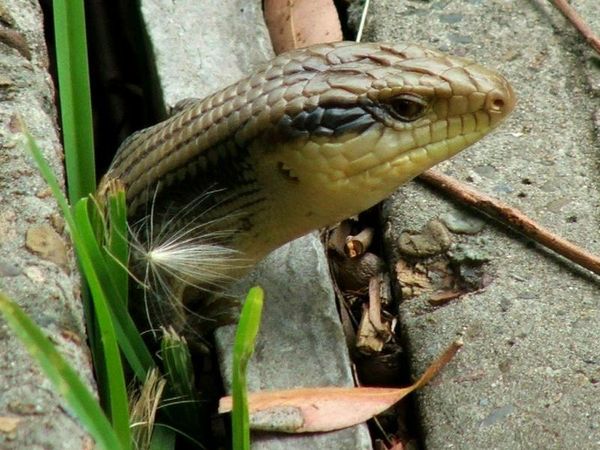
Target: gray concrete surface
{"type": "Point", "coordinates": [44, 283]}
{"type": "Point", "coordinates": [199, 48]}
{"type": "Point", "coordinates": [529, 374]}
{"type": "Point", "coordinates": [301, 343]}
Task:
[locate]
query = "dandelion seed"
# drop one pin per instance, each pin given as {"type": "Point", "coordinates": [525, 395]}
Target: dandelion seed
{"type": "Point", "coordinates": [174, 251]}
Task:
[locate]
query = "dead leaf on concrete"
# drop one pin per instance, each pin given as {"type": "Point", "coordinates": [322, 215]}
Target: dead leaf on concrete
{"type": "Point", "coordinates": [295, 24]}
{"type": "Point", "coordinates": [43, 240]}
{"type": "Point", "coordinates": [412, 280]}
{"type": "Point", "coordinates": [9, 424]}
{"type": "Point", "coordinates": [327, 409]}
{"type": "Point", "coordinates": [443, 297]}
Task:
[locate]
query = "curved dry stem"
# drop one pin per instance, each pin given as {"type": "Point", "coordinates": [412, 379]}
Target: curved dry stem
{"type": "Point", "coordinates": [513, 218]}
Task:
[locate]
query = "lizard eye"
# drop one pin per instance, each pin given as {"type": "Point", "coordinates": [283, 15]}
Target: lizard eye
{"type": "Point", "coordinates": [408, 107]}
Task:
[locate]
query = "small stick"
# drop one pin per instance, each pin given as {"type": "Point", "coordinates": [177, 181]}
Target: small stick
{"type": "Point", "coordinates": [375, 303]}
{"type": "Point", "coordinates": [583, 28]}
{"type": "Point", "coordinates": [357, 245]}
{"type": "Point", "coordinates": [513, 217]}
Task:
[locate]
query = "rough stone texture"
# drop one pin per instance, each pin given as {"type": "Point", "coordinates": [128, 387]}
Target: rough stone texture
{"type": "Point", "coordinates": [529, 374]}
{"type": "Point", "coordinates": [48, 291]}
{"type": "Point", "coordinates": [199, 48]}
{"type": "Point", "coordinates": [301, 343]}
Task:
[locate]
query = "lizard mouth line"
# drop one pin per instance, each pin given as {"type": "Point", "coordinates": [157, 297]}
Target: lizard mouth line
{"type": "Point", "coordinates": [417, 160]}
{"type": "Point", "coordinates": [430, 154]}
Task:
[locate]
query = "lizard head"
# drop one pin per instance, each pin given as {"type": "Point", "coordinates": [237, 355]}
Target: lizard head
{"type": "Point", "coordinates": [355, 121]}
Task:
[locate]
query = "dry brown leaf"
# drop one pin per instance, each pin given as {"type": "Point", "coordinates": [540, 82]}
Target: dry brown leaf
{"type": "Point", "coordinates": [300, 23]}
{"type": "Point", "coordinates": [43, 240]}
{"type": "Point", "coordinates": [443, 297]}
{"type": "Point", "coordinates": [330, 408]}
{"type": "Point", "coordinates": [412, 280]}
{"type": "Point", "coordinates": [9, 424]}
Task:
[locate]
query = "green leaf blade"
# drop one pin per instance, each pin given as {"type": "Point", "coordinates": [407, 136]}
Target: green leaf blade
{"type": "Point", "coordinates": [76, 394]}
{"type": "Point", "coordinates": [117, 401]}
{"type": "Point", "coordinates": [76, 106]}
{"type": "Point", "coordinates": [102, 283]}
{"type": "Point", "coordinates": [245, 339]}
{"type": "Point", "coordinates": [118, 245]}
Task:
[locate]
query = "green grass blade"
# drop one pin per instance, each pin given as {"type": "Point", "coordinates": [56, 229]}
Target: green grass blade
{"type": "Point", "coordinates": [245, 338]}
{"type": "Point", "coordinates": [74, 90]}
{"type": "Point", "coordinates": [177, 362]}
{"type": "Point", "coordinates": [118, 246]}
{"type": "Point", "coordinates": [183, 409]}
{"type": "Point", "coordinates": [102, 283]}
{"type": "Point", "coordinates": [114, 376]}
{"type": "Point", "coordinates": [66, 381]}
{"type": "Point", "coordinates": [88, 251]}
{"type": "Point", "coordinates": [35, 151]}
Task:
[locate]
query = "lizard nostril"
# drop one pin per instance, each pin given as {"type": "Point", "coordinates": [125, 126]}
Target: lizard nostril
{"type": "Point", "coordinates": [501, 100]}
{"type": "Point", "coordinates": [498, 104]}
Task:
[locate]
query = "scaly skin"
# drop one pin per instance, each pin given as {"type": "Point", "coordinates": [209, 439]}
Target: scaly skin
{"type": "Point", "coordinates": [317, 135]}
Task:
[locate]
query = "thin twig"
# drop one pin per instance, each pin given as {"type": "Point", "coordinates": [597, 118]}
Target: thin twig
{"type": "Point", "coordinates": [375, 303]}
{"type": "Point", "coordinates": [583, 28]}
{"type": "Point", "coordinates": [358, 244]}
{"type": "Point", "coordinates": [513, 217]}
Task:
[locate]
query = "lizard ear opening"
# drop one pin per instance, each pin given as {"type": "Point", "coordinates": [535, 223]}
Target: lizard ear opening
{"type": "Point", "coordinates": [286, 172]}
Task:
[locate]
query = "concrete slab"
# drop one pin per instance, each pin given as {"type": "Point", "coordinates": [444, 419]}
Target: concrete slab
{"type": "Point", "coordinates": [199, 48]}
{"type": "Point", "coordinates": [529, 374]}
{"type": "Point", "coordinates": [301, 343]}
